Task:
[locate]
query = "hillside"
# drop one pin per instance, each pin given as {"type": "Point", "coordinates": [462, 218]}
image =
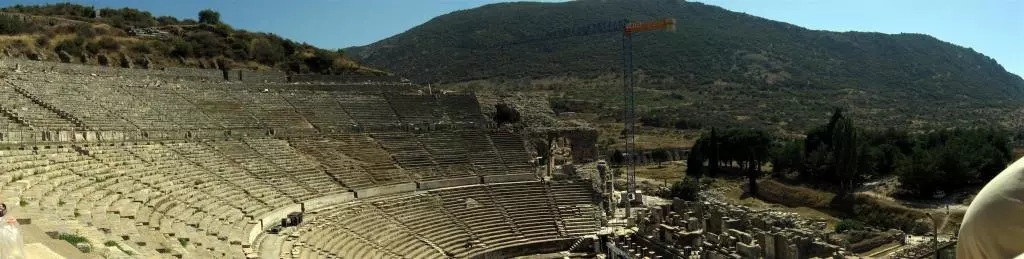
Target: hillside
{"type": "Point", "coordinates": [135, 38]}
{"type": "Point", "coordinates": [721, 68]}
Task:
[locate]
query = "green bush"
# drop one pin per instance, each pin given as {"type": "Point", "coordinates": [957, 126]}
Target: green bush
{"type": "Point", "coordinates": [167, 20]}
{"type": "Point", "coordinates": [208, 16]}
{"type": "Point", "coordinates": [127, 17]}
{"type": "Point", "coordinates": [687, 189]}
{"type": "Point", "coordinates": [110, 243]}
{"type": "Point", "coordinates": [72, 238]}
{"type": "Point", "coordinates": [206, 44]}
{"type": "Point", "coordinates": [181, 48]}
{"type": "Point", "coordinates": [71, 46]}
{"type": "Point", "coordinates": [849, 224]}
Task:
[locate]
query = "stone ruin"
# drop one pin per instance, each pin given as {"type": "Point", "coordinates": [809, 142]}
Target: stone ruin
{"type": "Point", "coordinates": [714, 229]}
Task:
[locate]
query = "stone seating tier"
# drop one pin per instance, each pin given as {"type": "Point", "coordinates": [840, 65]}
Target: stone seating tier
{"type": "Point", "coordinates": [461, 221]}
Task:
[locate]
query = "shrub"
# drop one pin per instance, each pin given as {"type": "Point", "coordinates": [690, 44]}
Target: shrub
{"type": "Point", "coordinates": [206, 44]}
{"type": "Point", "coordinates": [92, 47]}
{"type": "Point", "coordinates": [320, 62]}
{"type": "Point", "coordinates": [43, 41]}
{"type": "Point", "coordinates": [126, 18]}
{"type": "Point", "coordinates": [849, 224]}
{"type": "Point", "coordinates": [140, 47]}
{"type": "Point", "coordinates": [71, 46]}
{"type": "Point", "coordinates": [181, 49]}
{"type": "Point", "coordinates": [266, 52]}
{"type": "Point", "coordinates": [19, 44]}
{"type": "Point", "coordinates": [85, 30]}
{"type": "Point", "coordinates": [108, 43]}
{"type": "Point", "coordinates": [687, 189]}
{"type": "Point", "coordinates": [167, 20]}
{"type": "Point", "coordinates": [110, 243]}
{"type": "Point", "coordinates": [72, 238]}
{"type": "Point", "coordinates": [183, 241]}
{"type": "Point", "coordinates": [209, 17]}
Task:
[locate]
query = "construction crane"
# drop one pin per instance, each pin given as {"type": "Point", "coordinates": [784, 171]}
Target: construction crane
{"type": "Point", "coordinates": [628, 81]}
{"type": "Point", "coordinates": [629, 96]}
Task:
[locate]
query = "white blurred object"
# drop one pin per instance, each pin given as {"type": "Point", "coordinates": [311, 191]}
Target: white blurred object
{"type": "Point", "coordinates": [12, 244]}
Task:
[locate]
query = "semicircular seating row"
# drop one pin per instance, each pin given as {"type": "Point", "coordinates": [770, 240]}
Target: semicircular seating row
{"type": "Point", "coordinates": [199, 198]}
{"type": "Point", "coordinates": [109, 106]}
{"type": "Point", "coordinates": [458, 222]}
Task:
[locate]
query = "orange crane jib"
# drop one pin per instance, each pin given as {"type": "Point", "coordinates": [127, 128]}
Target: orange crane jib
{"type": "Point", "coordinates": [666, 24]}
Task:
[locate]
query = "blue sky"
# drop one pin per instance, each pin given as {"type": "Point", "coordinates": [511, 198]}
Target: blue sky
{"type": "Point", "coordinates": [992, 27]}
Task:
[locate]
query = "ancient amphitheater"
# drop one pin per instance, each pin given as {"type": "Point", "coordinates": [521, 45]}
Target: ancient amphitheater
{"type": "Point", "coordinates": [180, 163]}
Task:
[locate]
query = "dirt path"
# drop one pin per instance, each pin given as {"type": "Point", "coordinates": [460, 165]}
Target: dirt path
{"type": "Point", "coordinates": [949, 208]}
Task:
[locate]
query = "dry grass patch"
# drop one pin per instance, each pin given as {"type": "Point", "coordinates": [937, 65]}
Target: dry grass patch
{"type": "Point", "coordinates": [877, 212]}
{"type": "Point", "coordinates": [793, 196]}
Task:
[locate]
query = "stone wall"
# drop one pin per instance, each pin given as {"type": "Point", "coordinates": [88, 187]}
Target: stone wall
{"type": "Point", "coordinates": [250, 76]}
{"type": "Point", "coordinates": [344, 87]}
{"type": "Point", "coordinates": [449, 183]}
{"type": "Point", "coordinates": [197, 74]}
{"type": "Point", "coordinates": [325, 201]}
{"type": "Point", "coordinates": [343, 78]}
{"type": "Point", "coordinates": [384, 190]}
{"type": "Point", "coordinates": [171, 73]}
{"type": "Point", "coordinates": [538, 247]}
{"type": "Point", "coordinates": [509, 178]}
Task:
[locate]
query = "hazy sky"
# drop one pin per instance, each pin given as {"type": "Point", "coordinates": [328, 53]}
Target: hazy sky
{"type": "Point", "coordinates": [992, 27]}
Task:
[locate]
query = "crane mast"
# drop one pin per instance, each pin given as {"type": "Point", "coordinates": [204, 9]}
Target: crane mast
{"type": "Point", "coordinates": [629, 97]}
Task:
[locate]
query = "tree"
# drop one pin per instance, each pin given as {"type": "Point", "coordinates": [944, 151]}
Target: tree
{"type": "Point", "coordinates": [695, 160]}
{"type": "Point", "coordinates": [687, 189]}
{"type": "Point", "coordinates": [844, 146]}
{"type": "Point", "coordinates": [918, 174]}
{"type": "Point", "coordinates": [209, 17]}
{"type": "Point", "coordinates": [713, 155]}
{"type": "Point", "coordinates": [265, 51]}
{"type": "Point", "coordinates": [788, 157]}
{"type": "Point", "coordinates": [660, 155]}
{"type": "Point", "coordinates": [504, 113]}
{"type": "Point", "coordinates": [320, 62]}
{"type": "Point", "coordinates": [617, 157]}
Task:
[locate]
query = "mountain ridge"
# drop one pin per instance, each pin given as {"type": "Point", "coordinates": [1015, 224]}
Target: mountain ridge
{"type": "Point", "coordinates": [728, 53]}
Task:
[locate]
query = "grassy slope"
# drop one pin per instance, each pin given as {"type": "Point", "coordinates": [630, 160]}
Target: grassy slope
{"type": "Point", "coordinates": [187, 44]}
